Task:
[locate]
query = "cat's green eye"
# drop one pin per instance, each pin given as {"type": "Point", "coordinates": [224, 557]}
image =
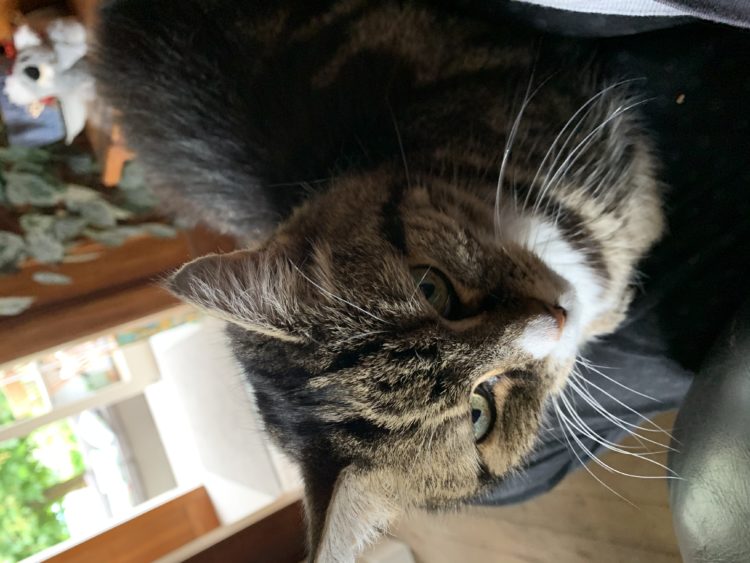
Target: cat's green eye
{"type": "Point", "coordinates": [482, 413]}
{"type": "Point", "coordinates": [435, 287]}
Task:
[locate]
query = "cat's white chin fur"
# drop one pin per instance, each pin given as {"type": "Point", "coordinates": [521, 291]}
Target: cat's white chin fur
{"type": "Point", "coordinates": [583, 302]}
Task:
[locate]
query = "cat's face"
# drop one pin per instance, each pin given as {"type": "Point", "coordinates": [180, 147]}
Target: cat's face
{"type": "Point", "coordinates": [400, 350]}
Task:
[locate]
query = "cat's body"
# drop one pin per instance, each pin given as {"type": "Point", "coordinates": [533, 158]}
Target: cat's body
{"type": "Point", "coordinates": [371, 150]}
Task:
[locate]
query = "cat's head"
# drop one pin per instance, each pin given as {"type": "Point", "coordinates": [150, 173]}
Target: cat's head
{"type": "Point", "coordinates": [399, 348]}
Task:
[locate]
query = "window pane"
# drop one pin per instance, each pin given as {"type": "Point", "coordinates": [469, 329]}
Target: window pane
{"type": "Point", "coordinates": [57, 379]}
{"type": "Point", "coordinates": [77, 372]}
{"type": "Point", "coordinates": [24, 394]}
{"type": "Point", "coordinates": [66, 479]}
{"type": "Point", "coordinates": [36, 471]}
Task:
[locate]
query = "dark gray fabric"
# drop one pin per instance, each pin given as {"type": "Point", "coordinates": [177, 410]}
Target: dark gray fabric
{"type": "Point", "coordinates": [731, 12]}
{"type": "Point", "coordinates": [695, 279]}
{"type": "Point", "coordinates": [579, 24]}
{"type": "Point", "coordinates": [576, 24]}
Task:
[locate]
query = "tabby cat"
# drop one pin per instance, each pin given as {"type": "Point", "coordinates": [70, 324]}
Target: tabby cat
{"type": "Point", "coordinates": [437, 212]}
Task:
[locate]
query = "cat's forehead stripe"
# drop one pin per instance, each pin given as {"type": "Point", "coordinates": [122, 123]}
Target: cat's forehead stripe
{"type": "Point", "coordinates": [392, 225]}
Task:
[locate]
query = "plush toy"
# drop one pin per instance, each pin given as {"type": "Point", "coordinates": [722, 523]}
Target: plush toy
{"type": "Point", "coordinates": [53, 68]}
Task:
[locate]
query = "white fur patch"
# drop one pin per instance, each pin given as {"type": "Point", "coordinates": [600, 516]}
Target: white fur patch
{"type": "Point", "coordinates": [583, 302]}
{"type": "Point", "coordinates": [539, 338]}
{"type": "Point", "coordinates": [355, 519]}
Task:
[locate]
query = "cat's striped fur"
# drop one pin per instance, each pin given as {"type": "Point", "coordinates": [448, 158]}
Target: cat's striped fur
{"type": "Point", "coordinates": [349, 142]}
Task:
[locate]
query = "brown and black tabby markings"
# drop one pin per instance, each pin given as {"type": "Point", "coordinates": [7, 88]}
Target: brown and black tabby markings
{"type": "Point", "coordinates": [390, 278]}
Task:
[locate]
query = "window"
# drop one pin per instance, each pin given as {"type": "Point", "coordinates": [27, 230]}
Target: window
{"type": "Point", "coordinates": [72, 423]}
{"type": "Point", "coordinates": [60, 378]}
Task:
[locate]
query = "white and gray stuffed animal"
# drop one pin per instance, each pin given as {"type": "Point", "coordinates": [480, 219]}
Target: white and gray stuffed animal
{"type": "Point", "coordinates": [55, 68]}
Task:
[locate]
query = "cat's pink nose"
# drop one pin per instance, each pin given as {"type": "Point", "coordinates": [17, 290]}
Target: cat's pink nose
{"type": "Point", "coordinates": [544, 328]}
{"type": "Point", "coordinates": [559, 314]}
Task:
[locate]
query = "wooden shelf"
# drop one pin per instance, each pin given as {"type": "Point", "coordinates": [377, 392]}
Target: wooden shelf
{"type": "Point", "coordinates": [121, 267]}
{"type": "Point", "coordinates": [119, 287]}
{"type": "Point", "coordinates": [149, 535]}
{"type": "Point", "coordinates": [275, 534]}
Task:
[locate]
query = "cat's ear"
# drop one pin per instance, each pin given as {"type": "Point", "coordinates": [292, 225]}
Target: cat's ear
{"type": "Point", "coordinates": [345, 518]}
{"type": "Point", "coordinates": [257, 290]}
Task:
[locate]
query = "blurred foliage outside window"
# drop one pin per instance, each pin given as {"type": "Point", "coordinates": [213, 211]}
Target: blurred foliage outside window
{"type": "Point", "coordinates": [31, 491]}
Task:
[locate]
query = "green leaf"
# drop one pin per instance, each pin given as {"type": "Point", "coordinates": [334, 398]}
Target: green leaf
{"type": "Point", "coordinates": [132, 177]}
{"type": "Point", "coordinates": [29, 522]}
{"type": "Point", "coordinates": [23, 188]}
{"type": "Point", "coordinates": [81, 258]}
{"type": "Point", "coordinates": [12, 250]}
{"type": "Point", "coordinates": [139, 200]}
{"type": "Point", "coordinates": [44, 248]}
{"type": "Point", "coordinates": [159, 230]}
{"type": "Point", "coordinates": [75, 194]}
{"type": "Point", "coordinates": [76, 460]}
{"type": "Point", "coordinates": [92, 206]}
{"type": "Point", "coordinates": [130, 231]}
{"type": "Point", "coordinates": [12, 306]}
{"type": "Point", "coordinates": [51, 278]}
{"type": "Point", "coordinates": [110, 237]}
{"type": "Point", "coordinates": [10, 155]}
{"type": "Point", "coordinates": [136, 193]}
{"type": "Point", "coordinates": [115, 236]}
{"type": "Point", "coordinates": [66, 228]}
{"type": "Point", "coordinates": [96, 213]}
{"type": "Point", "coordinates": [28, 167]}
{"type": "Point", "coordinates": [82, 164]}
{"type": "Point", "coordinates": [33, 222]}
{"type": "Point", "coordinates": [184, 223]}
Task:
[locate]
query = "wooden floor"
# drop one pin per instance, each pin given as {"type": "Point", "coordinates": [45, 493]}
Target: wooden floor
{"type": "Point", "coordinates": [578, 521]}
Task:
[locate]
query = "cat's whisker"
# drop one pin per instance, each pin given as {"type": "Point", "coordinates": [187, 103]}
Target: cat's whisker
{"type": "Point", "coordinates": [588, 362]}
{"type": "Point", "coordinates": [632, 429]}
{"type": "Point", "coordinates": [528, 96]}
{"type": "Point", "coordinates": [565, 431]}
{"type": "Point", "coordinates": [567, 402]}
{"type": "Point", "coordinates": [581, 385]}
{"type": "Point", "coordinates": [617, 448]}
{"type": "Point", "coordinates": [400, 143]}
{"type": "Point", "coordinates": [579, 149]}
{"type": "Point", "coordinates": [558, 214]}
{"type": "Point", "coordinates": [542, 194]}
{"type": "Point", "coordinates": [506, 155]}
{"type": "Point", "coordinates": [336, 297]}
{"type": "Point", "coordinates": [655, 427]}
{"type": "Point", "coordinates": [362, 335]}
{"type": "Point", "coordinates": [581, 425]}
{"type": "Point", "coordinates": [601, 463]}
{"type": "Point", "coordinates": [587, 104]}
{"type": "Point", "coordinates": [547, 184]}
{"type": "Point", "coordinates": [561, 262]}
{"type": "Point", "coordinates": [552, 182]}
{"type": "Point", "coordinates": [572, 424]}
{"type": "Point", "coordinates": [593, 369]}
{"type": "Point", "coordinates": [413, 296]}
